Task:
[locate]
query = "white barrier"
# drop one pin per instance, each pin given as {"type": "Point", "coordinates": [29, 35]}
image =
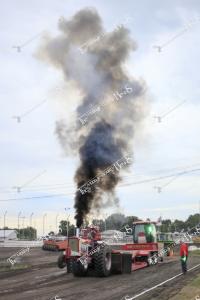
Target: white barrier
{"type": "Point", "coordinates": [21, 244]}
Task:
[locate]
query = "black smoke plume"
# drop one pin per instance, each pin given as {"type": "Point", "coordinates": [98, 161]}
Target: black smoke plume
{"type": "Point", "coordinates": [93, 62]}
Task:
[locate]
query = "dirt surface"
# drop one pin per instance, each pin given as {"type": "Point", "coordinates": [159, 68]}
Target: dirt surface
{"type": "Point", "coordinates": [188, 292]}
{"type": "Point", "coordinates": [43, 280]}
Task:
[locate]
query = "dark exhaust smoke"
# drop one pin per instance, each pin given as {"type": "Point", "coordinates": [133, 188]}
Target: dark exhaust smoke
{"type": "Point", "coordinates": [93, 61]}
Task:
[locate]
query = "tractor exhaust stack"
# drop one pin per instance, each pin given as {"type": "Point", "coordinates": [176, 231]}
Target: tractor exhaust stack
{"type": "Point", "coordinates": [77, 232]}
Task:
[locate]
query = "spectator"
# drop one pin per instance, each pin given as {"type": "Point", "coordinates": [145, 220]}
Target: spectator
{"type": "Point", "coordinates": [183, 256]}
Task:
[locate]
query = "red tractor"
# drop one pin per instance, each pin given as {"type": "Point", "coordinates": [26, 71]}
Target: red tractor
{"type": "Point", "coordinates": [55, 244]}
{"type": "Point", "coordinates": [87, 251]}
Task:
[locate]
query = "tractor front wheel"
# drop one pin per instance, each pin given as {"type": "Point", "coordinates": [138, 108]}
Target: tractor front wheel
{"type": "Point", "coordinates": [102, 261]}
{"type": "Point", "coordinates": [79, 269]}
{"type": "Point", "coordinates": [61, 261]}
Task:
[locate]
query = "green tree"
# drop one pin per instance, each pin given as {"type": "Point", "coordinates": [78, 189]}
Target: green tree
{"type": "Point", "coordinates": [28, 233]}
{"type": "Point", "coordinates": [192, 221]}
{"type": "Point", "coordinates": [178, 226]}
{"type": "Point", "coordinates": [63, 228]}
{"type": "Point", "coordinates": [166, 225]}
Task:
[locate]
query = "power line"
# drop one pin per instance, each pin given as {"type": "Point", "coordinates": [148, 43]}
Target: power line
{"type": "Point", "coordinates": [163, 115]}
{"type": "Point", "coordinates": [121, 185]}
{"type": "Point", "coordinates": [58, 186]}
{"type": "Point", "coordinates": [20, 117]}
{"type": "Point", "coordinates": [161, 177]}
{"type": "Point", "coordinates": [20, 46]}
{"type": "Point", "coordinates": [37, 189]}
{"type": "Point", "coordinates": [29, 181]}
{"type": "Point", "coordinates": [37, 197]}
{"type": "Point", "coordinates": [160, 188]}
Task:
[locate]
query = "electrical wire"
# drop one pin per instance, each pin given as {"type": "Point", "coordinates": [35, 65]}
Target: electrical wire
{"type": "Point", "coordinates": [121, 185]}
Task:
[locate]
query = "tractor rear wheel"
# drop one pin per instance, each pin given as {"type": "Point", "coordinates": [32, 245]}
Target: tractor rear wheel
{"type": "Point", "coordinates": [69, 266]}
{"type": "Point", "coordinates": [102, 261]}
{"type": "Point", "coordinates": [61, 261]}
{"type": "Point", "coordinates": [78, 269]}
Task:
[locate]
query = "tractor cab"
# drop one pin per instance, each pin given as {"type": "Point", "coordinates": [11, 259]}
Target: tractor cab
{"type": "Point", "coordinates": [90, 233]}
{"type": "Point", "coordinates": [144, 232]}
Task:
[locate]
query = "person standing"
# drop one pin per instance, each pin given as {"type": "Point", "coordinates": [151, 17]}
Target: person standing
{"type": "Point", "coordinates": [183, 256]}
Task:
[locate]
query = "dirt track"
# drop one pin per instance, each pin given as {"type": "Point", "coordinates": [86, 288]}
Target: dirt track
{"type": "Point", "coordinates": [43, 281]}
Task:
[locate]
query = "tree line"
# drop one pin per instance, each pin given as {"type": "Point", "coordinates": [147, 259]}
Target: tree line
{"type": "Point", "coordinates": [114, 222]}
{"type": "Point", "coordinates": [119, 221]}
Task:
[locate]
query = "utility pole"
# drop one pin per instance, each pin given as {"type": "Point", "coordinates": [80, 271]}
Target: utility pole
{"type": "Point", "coordinates": [199, 212]}
{"type": "Point", "coordinates": [44, 222]}
{"type": "Point", "coordinates": [4, 223]}
{"type": "Point", "coordinates": [57, 222]}
{"type": "Point", "coordinates": [23, 226]}
{"type": "Point", "coordinates": [18, 223]}
{"type": "Point", "coordinates": [67, 208]}
{"type": "Point", "coordinates": [31, 222]}
{"type": "Point", "coordinates": [35, 232]}
{"type": "Point", "coordinates": [106, 215]}
{"type": "Point", "coordinates": [31, 219]}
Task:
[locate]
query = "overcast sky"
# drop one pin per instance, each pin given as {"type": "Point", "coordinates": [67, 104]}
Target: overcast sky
{"type": "Point", "coordinates": [32, 88]}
